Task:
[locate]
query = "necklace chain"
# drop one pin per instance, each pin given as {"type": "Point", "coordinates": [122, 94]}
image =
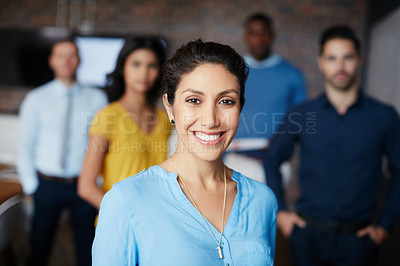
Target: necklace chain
{"type": "Point", "coordinates": [195, 205]}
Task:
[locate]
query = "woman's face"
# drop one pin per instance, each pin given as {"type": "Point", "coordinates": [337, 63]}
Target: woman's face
{"type": "Point", "coordinates": [141, 70]}
{"type": "Point", "coordinates": [206, 111]}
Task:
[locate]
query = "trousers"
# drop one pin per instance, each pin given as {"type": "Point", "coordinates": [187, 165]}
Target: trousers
{"type": "Point", "coordinates": [312, 246]}
{"type": "Point", "coordinates": [50, 199]}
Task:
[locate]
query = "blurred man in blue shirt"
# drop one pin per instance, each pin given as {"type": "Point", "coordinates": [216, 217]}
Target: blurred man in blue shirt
{"type": "Point", "coordinates": [54, 122]}
{"type": "Point", "coordinates": [274, 86]}
{"type": "Point", "coordinates": [343, 136]}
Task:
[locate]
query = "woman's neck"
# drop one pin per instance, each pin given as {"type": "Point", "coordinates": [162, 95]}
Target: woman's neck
{"type": "Point", "coordinates": [134, 102]}
{"type": "Point", "coordinates": [198, 172]}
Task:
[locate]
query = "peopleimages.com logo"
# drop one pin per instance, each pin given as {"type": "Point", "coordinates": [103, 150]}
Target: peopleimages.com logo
{"type": "Point", "coordinates": [268, 124]}
{"type": "Point", "coordinates": [309, 125]}
{"type": "Point", "coordinates": [259, 124]}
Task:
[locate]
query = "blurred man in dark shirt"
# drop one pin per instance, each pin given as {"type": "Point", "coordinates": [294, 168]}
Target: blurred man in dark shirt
{"type": "Point", "coordinates": [343, 136]}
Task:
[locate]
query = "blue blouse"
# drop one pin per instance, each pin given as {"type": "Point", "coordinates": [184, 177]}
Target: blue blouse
{"type": "Point", "coordinates": [147, 220]}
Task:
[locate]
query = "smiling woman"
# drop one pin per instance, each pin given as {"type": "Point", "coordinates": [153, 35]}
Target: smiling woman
{"type": "Point", "coordinates": [208, 103]}
{"type": "Point", "coordinates": [191, 209]}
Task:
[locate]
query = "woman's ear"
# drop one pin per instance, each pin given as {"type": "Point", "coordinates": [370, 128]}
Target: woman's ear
{"type": "Point", "coordinates": [168, 107]}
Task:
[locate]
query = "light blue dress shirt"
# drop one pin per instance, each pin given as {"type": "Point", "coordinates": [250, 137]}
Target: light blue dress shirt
{"type": "Point", "coordinates": [147, 220]}
{"type": "Point", "coordinates": [42, 125]}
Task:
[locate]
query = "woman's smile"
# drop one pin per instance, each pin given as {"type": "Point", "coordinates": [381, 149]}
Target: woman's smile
{"type": "Point", "coordinates": [209, 138]}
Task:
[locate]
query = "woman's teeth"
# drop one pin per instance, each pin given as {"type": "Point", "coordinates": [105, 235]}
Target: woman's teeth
{"type": "Point", "coordinates": [206, 137]}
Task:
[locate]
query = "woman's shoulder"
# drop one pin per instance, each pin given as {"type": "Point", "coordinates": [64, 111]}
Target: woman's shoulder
{"type": "Point", "coordinates": [106, 120]}
{"type": "Point", "coordinates": [141, 192]}
{"type": "Point", "coordinates": [111, 108]}
{"type": "Point", "coordinates": [136, 194]}
{"type": "Point", "coordinates": [146, 182]}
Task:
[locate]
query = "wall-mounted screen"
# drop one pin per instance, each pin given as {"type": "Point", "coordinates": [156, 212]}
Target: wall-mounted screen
{"type": "Point", "coordinates": [98, 58]}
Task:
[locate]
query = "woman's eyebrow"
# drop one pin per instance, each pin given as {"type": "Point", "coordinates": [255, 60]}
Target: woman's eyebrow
{"type": "Point", "coordinates": [193, 91]}
{"type": "Point", "coordinates": [219, 94]}
{"type": "Point", "coordinates": [228, 91]}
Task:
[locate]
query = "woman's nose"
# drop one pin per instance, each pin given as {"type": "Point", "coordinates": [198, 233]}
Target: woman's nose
{"type": "Point", "coordinates": [210, 117]}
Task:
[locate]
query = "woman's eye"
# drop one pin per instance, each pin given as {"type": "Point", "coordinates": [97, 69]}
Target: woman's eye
{"type": "Point", "coordinates": [227, 102]}
{"type": "Point", "coordinates": [136, 64]}
{"type": "Point", "coordinates": [193, 101]}
{"type": "Point", "coordinates": [153, 66]}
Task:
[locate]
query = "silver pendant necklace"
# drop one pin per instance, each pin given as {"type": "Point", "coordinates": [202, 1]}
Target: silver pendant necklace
{"type": "Point", "coordinates": [219, 248]}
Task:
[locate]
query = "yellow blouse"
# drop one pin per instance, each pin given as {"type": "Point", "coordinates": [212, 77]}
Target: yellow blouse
{"type": "Point", "coordinates": [130, 150]}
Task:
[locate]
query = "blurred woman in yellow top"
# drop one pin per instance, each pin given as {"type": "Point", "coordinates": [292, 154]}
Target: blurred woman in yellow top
{"type": "Point", "coordinates": [131, 133]}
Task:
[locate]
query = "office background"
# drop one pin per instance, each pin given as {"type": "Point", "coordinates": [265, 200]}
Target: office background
{"type": "Point", "coordinates": [298, 24]}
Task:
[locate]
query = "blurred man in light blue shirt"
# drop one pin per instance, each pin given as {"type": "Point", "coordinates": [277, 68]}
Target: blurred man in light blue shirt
{"type": "Point", "coordinates": [54, 122]}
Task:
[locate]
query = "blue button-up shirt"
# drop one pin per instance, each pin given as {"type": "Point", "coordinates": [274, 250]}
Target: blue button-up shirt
{"type": "Point", "coordinates": [147, 220]}
{"type": "Point", "coordinates": [340, 168]}
{"type": "Point", "coordinates": [42, 127]}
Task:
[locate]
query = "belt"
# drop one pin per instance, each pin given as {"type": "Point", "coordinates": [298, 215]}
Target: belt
{"type": "Point", "coordinates": [334, 226]}
{"type": "Point", "coordinates": [69, 180]}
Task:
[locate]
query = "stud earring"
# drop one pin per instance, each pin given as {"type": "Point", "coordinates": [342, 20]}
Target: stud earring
{"type": "Point", "coordinates": [173, 122]}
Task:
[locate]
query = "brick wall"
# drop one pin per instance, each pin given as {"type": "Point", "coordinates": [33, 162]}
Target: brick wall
{"type": "Point", "coordinates": [298, 23]}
